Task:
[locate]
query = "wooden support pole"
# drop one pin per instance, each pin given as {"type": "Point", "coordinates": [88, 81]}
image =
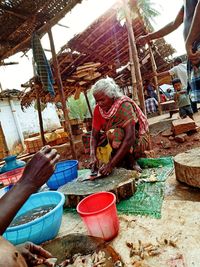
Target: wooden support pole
{"type": "Point", "coordinates": [4, 141]}
{"type": "Point", "coordinates": [135, 55]}
{"type": "Point", "coordinates": [154, 68]}
{"type": "Point", "coordinates": [67, 125]}
{"type": "Point", "coordinates": [38, 88]}
{"type": "Point", "coordinates": [88, 103]}
{"type": "Point", "coordinates": [133, 78]}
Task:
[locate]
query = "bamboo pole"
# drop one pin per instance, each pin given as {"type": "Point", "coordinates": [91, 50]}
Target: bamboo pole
{"type": "Point", "coordinates": [135, 55]}
{"type": "Point", "coordinates": [4, 141]}
{"type": "Point", "coordinates": [88, 103]}
{"type": "Point", "coordinates": [154, 68]}
{"type": "Point", "coordinates": [133, 78]}
{"type": "Point", "coordinates": [38, 87]}
{"type": "Point", "coordinates": [67, 125]}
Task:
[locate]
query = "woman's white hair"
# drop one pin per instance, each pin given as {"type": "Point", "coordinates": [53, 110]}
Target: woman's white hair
{"type": "Point", "coordinates": [108, 87]}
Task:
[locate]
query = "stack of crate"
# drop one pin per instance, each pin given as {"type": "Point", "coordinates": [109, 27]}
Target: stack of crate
{"type": "Point", "coordinates": [33, 144]}
{"type": "Point", "coordinates": [2, 144]}
{"type": "Point", "coordinates": [2, 150]}
{"type": "Point", "coordinates": [64, 137]}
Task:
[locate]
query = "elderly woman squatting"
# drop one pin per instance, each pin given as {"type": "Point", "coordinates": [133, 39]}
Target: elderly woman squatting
{"type": "Point", "coordinates": [117, 119]}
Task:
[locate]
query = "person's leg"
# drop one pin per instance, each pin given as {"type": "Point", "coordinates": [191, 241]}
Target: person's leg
{"type": "Point", "coordinates": [189, 111]}
{"type": "Point", "coordinates": [194, 107]}
{"type": "Point", "coordinates": [136, 166]}
{"type": "Point", "coordinates": [130, 163]}
{"type": "Point", "coordinates": [142, 144]}
{"type": "Point", "coordinates": [182, 112]}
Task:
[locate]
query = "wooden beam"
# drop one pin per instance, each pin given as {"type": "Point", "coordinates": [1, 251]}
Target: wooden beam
{"type": "Point", "coordinates": [67, 125]}
{"type": "Point", "coordinates": [47, 50]}
{"type": "Point", "coordinates": [47, 26]}
{"type": "Point", "coordinates": [96, 29]}
{"type": "Point", "coordinates": [106, 30]}
{"type": "Point", "coordinates": [7, 43]}
{"type": "Point", "coordinates": [133, 78]}
{"type": "Point", "coordinates": [43, 29]}
{"type": "Point", "coordinates": [73, 63]}
{"type": "Point", "coordinates": [61, 25]}
{"type": "Point", "coordinates": [8, 63]}
{"type": "Point", "coordinates": [100, 58]}
{"type": "Point", "coordinates": [13, 12]}
{"type": "Point", "coordinates": [121, 39]}
{"type": "Point", "coordinates": [121, 52]}
{"type": "Point", "coordinates": [38, 88]}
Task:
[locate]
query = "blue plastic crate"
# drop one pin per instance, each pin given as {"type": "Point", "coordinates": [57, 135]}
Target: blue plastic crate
{"type": "Point", "coordinates": [43, 228]}
{"type": "Point", "coordinates": [65, 172]}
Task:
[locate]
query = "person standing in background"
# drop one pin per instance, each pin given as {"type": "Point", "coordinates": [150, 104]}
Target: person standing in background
{"type": "Point", "coordinates": [189, 16]}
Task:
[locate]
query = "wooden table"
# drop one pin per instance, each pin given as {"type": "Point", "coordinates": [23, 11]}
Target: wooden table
{"type": "Point", "coordinates": [168, 105]}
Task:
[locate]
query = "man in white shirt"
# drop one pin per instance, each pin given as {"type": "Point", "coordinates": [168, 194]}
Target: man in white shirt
{"type": "Point", "coordinates": [188, 15]}
{"type": "Point", "coordinates": [179, 71]}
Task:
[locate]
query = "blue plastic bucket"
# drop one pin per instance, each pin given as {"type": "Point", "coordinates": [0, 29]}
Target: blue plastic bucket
{"type": "Point", "coordinates": [65, 172]}
{"type": "Point", "coordinates": [43, 228]}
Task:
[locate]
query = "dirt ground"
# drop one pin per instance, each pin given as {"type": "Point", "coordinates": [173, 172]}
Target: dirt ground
{"type": "Point", "coordinates": [180, 213]}
{"type": "Point", "coordinates": [157, 126]}
{"type": "Point", "coordinates": [180, 221]}
{"type": "Point", "coordinates": [158, 141]}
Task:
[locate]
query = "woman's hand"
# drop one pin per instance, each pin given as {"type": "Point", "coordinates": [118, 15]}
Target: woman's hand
{"type": "Point", "coordinates": [106, 169]}
{"type": "Point", "coordinates": [34, 255]}
{"type": "Point", "coordinates": [94, 163]}
{"type": "Point", "coordinates": [40, 167]}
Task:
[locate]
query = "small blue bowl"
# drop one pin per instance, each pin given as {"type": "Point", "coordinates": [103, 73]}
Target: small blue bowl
{"type": "Point", "coordinates": [43, 228]}
{"type": "Point", "coordinates": [65, 172]}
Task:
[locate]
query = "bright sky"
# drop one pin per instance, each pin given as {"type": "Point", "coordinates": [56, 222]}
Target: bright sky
{"type": "Point", "coordinates": [77, 20]}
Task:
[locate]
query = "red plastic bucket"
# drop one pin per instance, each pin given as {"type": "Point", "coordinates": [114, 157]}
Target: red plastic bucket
{"type": "Point", "coordinates": [99, 213]}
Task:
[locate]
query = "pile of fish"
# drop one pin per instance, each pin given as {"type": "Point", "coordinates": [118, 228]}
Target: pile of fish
{"type": "Point", "coordinates": [142, 251]}
{"type": "Point", "coordinates": [96, 259]}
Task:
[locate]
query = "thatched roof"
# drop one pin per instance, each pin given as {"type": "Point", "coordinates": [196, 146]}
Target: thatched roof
{"type": "Point", "coordinates": [104, 43]}
{"type": "Point", "coordinates": [20, 18]}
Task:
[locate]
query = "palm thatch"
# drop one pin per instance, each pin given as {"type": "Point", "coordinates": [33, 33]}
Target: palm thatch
{"type": "Point", "coordinates": [104, 43]}
{"type": "Point", "coordinates": [20, 18]}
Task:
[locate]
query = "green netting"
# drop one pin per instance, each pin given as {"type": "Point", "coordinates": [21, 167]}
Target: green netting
{"type": "Point", "coordinates": [155, 162]}
{"type": "Point", "coordinates": [162, 167]}
{"type": "Point", "coordinates": [149, 196]}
